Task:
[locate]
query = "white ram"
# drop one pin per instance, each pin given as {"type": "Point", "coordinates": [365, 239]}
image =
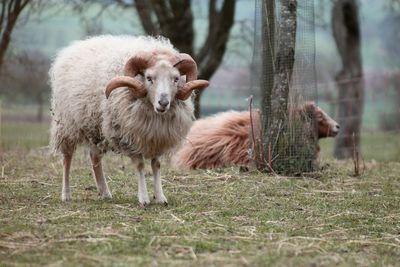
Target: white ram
{"type": "Point", "coordinates": [147, 118]}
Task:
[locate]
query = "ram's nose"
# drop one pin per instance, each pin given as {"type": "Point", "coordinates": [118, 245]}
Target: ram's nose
{"type": "Point", "coordinates": [163, 103]}
{"type": "Point", "coordinates": [335, 129]}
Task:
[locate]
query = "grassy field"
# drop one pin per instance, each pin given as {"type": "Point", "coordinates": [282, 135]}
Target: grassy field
{"type": "Point", "coordinates": [25, 135]}
{"type": "Point", "coordinates": [214, 218]}
{"type": "Point", "coordinates": [377, 146]}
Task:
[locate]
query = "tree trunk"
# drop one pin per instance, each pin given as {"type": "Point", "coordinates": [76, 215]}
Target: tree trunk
{"type": "Point", "coordinates": [396, 115]}
{"type": "Point", "coordinates": [267, 75]}
{"type": "Point", "coordinates": [197, 104]}
{"type": "Point", "coordinates": [283, 67]}
{"type": "Point", "coordinates": [349, 80]}
{"type": "Point", "coordinates": [9, 12]}
{"type": "Point", "coordinates": [277, 75]}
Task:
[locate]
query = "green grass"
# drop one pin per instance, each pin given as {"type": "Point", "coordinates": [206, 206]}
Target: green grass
{"type": "Point", "coordinates": [23, 135]}
{"type": "Point", "coordinates": [214, 218]}
{"type": "Point", "coordinates": [18, 128]}
{"type": "Point", "coordinates": [374, 146]}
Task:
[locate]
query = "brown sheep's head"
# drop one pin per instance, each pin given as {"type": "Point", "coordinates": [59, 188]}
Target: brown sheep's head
{"type": "Point", "coordinates": [327, 127]}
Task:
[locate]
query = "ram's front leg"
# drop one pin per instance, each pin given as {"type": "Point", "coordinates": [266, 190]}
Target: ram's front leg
{"type": "Point", "coordinates": [158, 191]}
{"type": "Point", "coordinates": [143, 195]}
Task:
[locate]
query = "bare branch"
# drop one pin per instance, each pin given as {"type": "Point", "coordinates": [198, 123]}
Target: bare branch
{"type": "Point", "coordinates": [222, 23]}
{"type": "Point", "coordinates": [212, 21]}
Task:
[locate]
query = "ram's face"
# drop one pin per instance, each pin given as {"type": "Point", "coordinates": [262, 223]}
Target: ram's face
{"type": "Point", "coordinates": [327, 127]}
{"type": "Point", "coordinates": [161, 79]}
{"type": "Point", "coordinates": [162, 82]}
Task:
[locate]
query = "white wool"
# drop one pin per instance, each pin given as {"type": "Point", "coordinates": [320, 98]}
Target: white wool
{"type": "Point", "coordinates": [82, 114]}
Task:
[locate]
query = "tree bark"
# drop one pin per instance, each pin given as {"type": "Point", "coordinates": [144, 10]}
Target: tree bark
{"type": "Point", "coordinates": [277, 75]}
{"type": "Point", "coordinates": [349, 80]}
{"type": "Point", "coordinates": [174, 20]}
{"type": "Point", "coordinates": [267, 75]}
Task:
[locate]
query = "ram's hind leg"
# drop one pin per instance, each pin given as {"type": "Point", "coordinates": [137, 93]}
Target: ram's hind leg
{"type": "Point", "coordinates": [143, 195]}
{"type": "Point", "coordinates": [66, 190]}
{"type": "Point", "coordinates": [158, 191]}
{"type": "Point", "coordinates": [97, 171]}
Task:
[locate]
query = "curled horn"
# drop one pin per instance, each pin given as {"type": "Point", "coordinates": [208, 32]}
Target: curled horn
{"type": "Point", "coordinates": [134, 85]}
{"type": "Point", "coordinates": [187, 66]}
{"type": "Point", "coordinates": [134, 66]}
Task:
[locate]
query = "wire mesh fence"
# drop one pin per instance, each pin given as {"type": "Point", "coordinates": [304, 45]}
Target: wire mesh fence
{"type": "Point", "coordinates": [380, 131]}
{"type": "Point", "coordinates": [285, 54]}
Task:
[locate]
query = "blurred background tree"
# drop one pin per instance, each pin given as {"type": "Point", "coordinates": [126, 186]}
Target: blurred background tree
{"type": "Point", "coordinates": [9, 14]}
{"type": "Point", "coordinates": [349, 80]}
{"type": "Point", "coordinates": [27, 75]}
{"type": "Point", "coordinates": [23, 74]}
{"type": "Point", "coordinates": [390, 36]}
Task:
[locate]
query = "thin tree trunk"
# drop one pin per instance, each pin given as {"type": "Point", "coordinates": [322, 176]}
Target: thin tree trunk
{"type": "Point", "coordinates": [267, 73]}
{"type": "Point", "coordinates": [276, 95]}
{"type": "Point", "coordinates": [197, 105]}
{"type": "Point", "coordinates": [349, 80]}
{"type": "Point", "coordinates": [212, 53]}
{"type": "Point", "coordinates": [9, 12]}
{"type": "Point", "coordinates": [396, 85]}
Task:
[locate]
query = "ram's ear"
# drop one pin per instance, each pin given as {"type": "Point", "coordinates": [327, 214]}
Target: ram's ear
{"type": "Point", "coordinates": [137, 87]}
{"type": "Point", "coordinates": [309, 109]}
{"type": "Point", "coordinates": [185, 92]}
{"type": "Point", "coordinates": [309, 106]}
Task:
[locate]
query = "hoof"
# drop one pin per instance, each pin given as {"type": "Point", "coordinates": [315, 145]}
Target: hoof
{"type": "Point", "coordinates": [144, 200]}
{"type": "Point", "coordinates": [161, 200]}
{"type": "Point", "coordinates": [66, 198]}
{"type": "Point", "coordinates": [144, 205]}
{"type": "Point", "coordinates": [105, 196]}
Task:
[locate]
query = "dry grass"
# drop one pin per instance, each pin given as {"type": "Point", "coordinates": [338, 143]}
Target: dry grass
{"type": "Point", "coordinates": [214, 218]}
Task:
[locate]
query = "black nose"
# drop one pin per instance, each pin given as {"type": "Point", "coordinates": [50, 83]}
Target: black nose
{"type": "Point", "coordinates": [337, 126]}
{"type": "Point", "coordinates": [163, 102]}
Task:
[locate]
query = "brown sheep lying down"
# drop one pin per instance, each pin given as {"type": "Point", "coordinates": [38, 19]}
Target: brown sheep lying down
{"type": "Point", "coordinates": [224, 139]}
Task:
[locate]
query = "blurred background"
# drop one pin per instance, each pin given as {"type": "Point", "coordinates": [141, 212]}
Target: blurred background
{"type": "Point", "coordinates": [220, 36]}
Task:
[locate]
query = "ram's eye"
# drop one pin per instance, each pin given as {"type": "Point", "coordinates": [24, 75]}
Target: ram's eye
{"type": "Point", "coordinates": [176, 79]}
{"type": "Point", "coordinates": [149, 79]}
